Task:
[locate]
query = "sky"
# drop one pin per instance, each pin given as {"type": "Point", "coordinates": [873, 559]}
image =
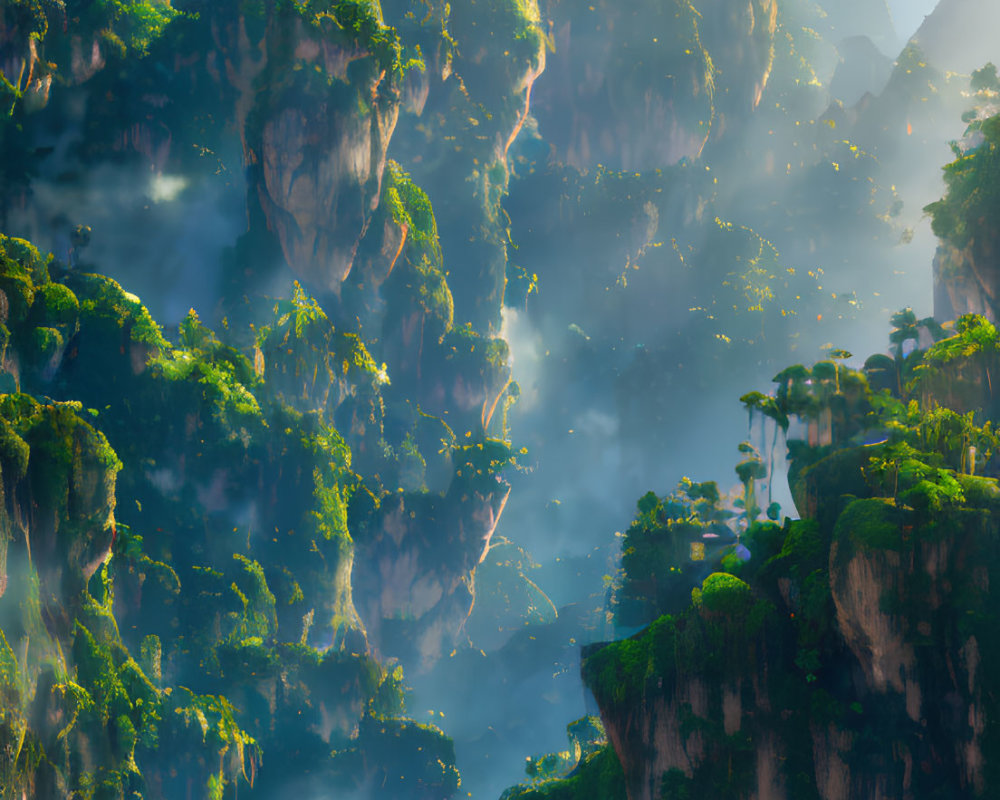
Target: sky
{"type": "Point", "coordinates": [908, 14]}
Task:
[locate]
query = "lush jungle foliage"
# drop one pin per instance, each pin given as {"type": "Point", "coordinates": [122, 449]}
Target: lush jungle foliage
{"type": "Point", "coordinates": [222, 539]}
{"type": "Point", "coordinates": [883, 477]}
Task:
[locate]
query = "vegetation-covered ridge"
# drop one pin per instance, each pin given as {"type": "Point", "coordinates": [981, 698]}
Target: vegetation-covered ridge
{"type": "Point", "coordinates": [787, 659]}
{"type": "Point", "coordinates": [276, 468]}
{"type": "Point", "coordinates": [180, 630]}
{"type": "Point", "coordinates": [964, 219]}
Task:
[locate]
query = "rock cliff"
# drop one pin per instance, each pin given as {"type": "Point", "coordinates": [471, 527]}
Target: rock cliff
{"type": "Point", "coordinates": [843, 655]}
{"type": "Point", "coordinates": [645, 86]}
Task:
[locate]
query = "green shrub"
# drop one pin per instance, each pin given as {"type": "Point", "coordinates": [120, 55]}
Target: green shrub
{"type": "Point", "coordinates": [722, 593]}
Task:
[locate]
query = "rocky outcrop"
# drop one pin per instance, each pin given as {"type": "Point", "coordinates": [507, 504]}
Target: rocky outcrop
{"type": "Point", "coordinates": [464, 113]}
{"type": "Point", "coordinates": [310, 99]}
{"type": "Point", "coordinates": [864, 679]}
{"type": "Point", "coordinates": [316, 144]}
{"type": "Point", "coordinates": [698, 712]}
{"type": "Point", "coordinates": [38, 41]}
{"type": "Point", "coordinates": [59, 499]}
{"type": "Point", "coordinates": [893, 610]}
{"type": "Point", "coordinates": [967, 280]}
{"type": "Point", "coordinates": [636, 101]}
{"type": "Point", "coordinates": [314, 99]}
{"type": "Point", "coordinates": [94, 608]}
{"type": "Point", "coordinates": [413, 578]}
{"type": "Point", "coordinates": [875, 637]}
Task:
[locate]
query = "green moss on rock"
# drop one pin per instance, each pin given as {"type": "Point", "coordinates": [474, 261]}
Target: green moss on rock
{"type": "Point", "coordinates": [874, 524]}
{"type": "Point", "coordinates": [409, 205]}
{"type": "Point", "coordinates": [106, 307]}
{"type": "Point", "coordinates": [598, 777]}
{"type": "Point", "coordinates": [721, 593]}
{"type": "Point", "coordinates": [55, 305]}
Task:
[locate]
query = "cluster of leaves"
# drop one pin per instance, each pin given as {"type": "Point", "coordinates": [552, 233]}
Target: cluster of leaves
{"type": "Point", "coordinates": [658, 571]}
{"type": "Point", "coordinates": [482, 460]}
{"type": "Point", "coordinates": [110, 700]}
{"type": "Point", "coordinates": [301, 359]}
{"type": "Point", "coordinates": [588, 771]}
{"type": "Point", "coordinates": [958, 371]}
{"type": "Point", "coordinates": [872, 419]}
{"type": "Point", "coordinates": [419, 283]}
{"type": "Point", "coordinates": [124, 26]}
{"type": "Point", "coordinates": [42, 316]}
{"type": "Point", "coordinates": [716, 637]}
{"type": "Point", "coordinates": [409, 206]}
{"type": "Point", "coordinates": [222, 371]}
{"type": "Point", "coordinates": [972, 199]}
{"type": "Point", "coordinates": [361, 22]}
{"type": "Point", "coordinates": [927, 456]}
{"type": "Point", "coordinates": [73, 686]}
{"type": "Point", "coordinates": [40, 37]}
{"type": "Point", "coordinates": [355, 23]}
{"type": "Point", "coordinates": [598, 777]}
{"type": "Point", "coordinates": [356, 27]}
{"type": "Point", "coordinates": [909, 336]}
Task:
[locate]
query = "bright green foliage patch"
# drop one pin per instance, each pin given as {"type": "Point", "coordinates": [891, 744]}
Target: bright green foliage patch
{"type": "Point", "coordinates": [598, 777]}
{"type": "Point", "coordinates": [972, 195]}
{"type": "Point", "coordinates": [230, 559]}
{"type": "Point", "coordinates": [135, 25]}
{"type": "Point", "coordinates": [873, 524]}
{"type": "Point", "coordinates": [409, 205]}
{"type": "Point", "coordinates": [109, 309]}
{"type": "Point", "coordinates": [306, 362]}
{"type": "Point", "coordinates": [723, 594]}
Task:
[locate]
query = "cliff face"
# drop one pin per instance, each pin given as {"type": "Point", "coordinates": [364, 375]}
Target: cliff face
{"type": "Point", "coordinates": [306, 99]}
{"type": "Point", "coordinates": [312, 100]}
{"type": "Point", "coordinates": [642, 87]}
{"type": "Point", "coordinates": [966, 280]}
{"type": "Point", "coordinates": [891, 703]}
{"type": "Point", "coordinates": [966, 264]}
{"type": "Point", "coordinates": [462, 115]}
{"type": "Point", "coordinates": [707, 714]}
{"type": "Point", "coordinates": [59, 492]}
{"type": "Point", "coordinates": [853, 660]}
{"type": "Point", "coordinates": [78, 711]}
{"type": "Point", "coordinates": [316, 142]}
{"type": "Point", "coordinates": [413, 580]}
{"type": "Point", "coordinates": [667, 735]}
{"type": "Point", "coordinates": [891, 648]}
